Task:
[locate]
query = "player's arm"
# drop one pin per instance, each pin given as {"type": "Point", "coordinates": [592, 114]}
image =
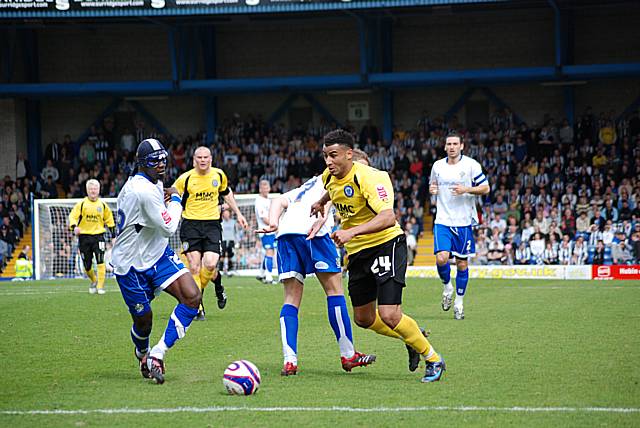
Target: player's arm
{"type": "Point", "coordinates": [318, 208]}
{"type": "Point", "coordinates": [317, 225]}
{"type": "Point", "coordinates": [231, 201]}
{"type": "Point", "coordinates": [74, 216]}
{"type": "Point", "coordinates": [378, 192]}
{"type": "Point", "coordinates": [107, 217]}
{"type": "Point", "coordinates": [277, 206]}
{"type": "Point", "coordinates": [479, 183]}
{"type": "Point", "coordinates": [165, 218]}
{"type": "Point", "coordinates": [433, 182]}
{"type": "Point", "coordinates": [383, 220]}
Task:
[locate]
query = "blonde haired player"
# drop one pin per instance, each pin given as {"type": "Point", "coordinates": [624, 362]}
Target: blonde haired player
{"type": "Point", "coordinates": [201, 230]}
{"type": "Point", "coordinates": [87, 220]}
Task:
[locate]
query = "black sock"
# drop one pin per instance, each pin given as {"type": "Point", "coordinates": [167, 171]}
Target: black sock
{"type": "Point", "coordinates": [218, 283]}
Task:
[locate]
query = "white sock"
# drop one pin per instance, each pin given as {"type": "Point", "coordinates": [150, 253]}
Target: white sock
{"type": "Point", "coordinates": [458, 303]}
{"type": "Point", "coordinates": [268, 277]}
{"type": "Point", "coordinates": [159, 350]}
{"type": "Point", "coordinates": [448, 289]}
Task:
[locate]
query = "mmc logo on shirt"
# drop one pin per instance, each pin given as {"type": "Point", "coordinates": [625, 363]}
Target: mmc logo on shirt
{"type": "Point", "coordinates": [345, 210]}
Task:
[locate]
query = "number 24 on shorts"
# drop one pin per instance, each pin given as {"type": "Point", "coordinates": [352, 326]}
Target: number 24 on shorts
{"type": "Point", "coordinates": [381, 265]}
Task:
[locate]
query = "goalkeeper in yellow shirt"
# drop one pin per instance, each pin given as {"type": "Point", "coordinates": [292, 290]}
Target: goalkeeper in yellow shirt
{"type": "Point", "coordinates": [87, 220]}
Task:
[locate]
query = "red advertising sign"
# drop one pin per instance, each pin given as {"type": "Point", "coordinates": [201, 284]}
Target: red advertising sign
{"type": "Point", "coordinates": [615, 272]}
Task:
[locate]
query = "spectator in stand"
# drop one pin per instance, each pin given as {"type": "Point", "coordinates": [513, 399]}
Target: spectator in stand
{"type": "Point", "coordinates": [609, 212]}
{"type": "Point", "coordinates": [50, 171]}
{"type": "Point", "coordinates": [23, 167]}
{"type": "Point", "coordinates": [621, 254]}
{"type": "Point", "coordinates": [537, 246]}
{"type": "Point", "coordinates": [523, 254]}
{"type": "Point", "coordinates": [496, 254]}
{"type": "Point", "coordinates": [550, 255]}
{"type": "Point", "coordinates": [598, 255]}
{"type": "Point", "coordinates": [49, 189]}
{"type": "Point", "coordinates": [52, 151]}
{"type": "Point", "coordinates": [580, 252]}
{"type": "Point", "coordinates": [565, 251]}
{"type": "Point", "coordinates": [634, 243]}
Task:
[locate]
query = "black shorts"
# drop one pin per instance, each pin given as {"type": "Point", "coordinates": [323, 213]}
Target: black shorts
{"type": "Point", "coordinates": [90, 245]}
{"type": "Point", "coordinates": [378, 273]}
{"type": "Point", "coordinates": [201, 236]}
{"type": "Point", "coordinates": [227, 248]}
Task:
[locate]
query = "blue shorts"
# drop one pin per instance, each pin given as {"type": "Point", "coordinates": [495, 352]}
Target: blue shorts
{"type": "Point", "coordinates": [298, 257]}
{"type": "Point", "coordinates": [267, 240]}
{"type": "Point", "coordinates": [139, 288]}
{"type": "Point", "coordinates": [455, 240]}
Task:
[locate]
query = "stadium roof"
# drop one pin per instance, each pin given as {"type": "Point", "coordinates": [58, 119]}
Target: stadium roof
{"type": "Point", "coordinates": [56, 9]}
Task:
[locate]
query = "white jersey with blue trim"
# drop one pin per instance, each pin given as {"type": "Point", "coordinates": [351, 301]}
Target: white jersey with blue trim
{"type": "Point", "coordinates": [452, 210]}
{"type": "Point", "coordinates": [261, 207]}
{"type": "Point", "coordinates": [296, 219]}
{"type": "Point", "coordinates": [144, 224]}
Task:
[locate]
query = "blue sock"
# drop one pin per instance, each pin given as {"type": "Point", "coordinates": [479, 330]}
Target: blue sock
{"type": "Point", "coordinates": [179, 322]}
{"type": "Point", "coordinates": [263, 265]}
{"type": "Point", "coordinates": [444, 272]}
{"type": "Point", "coordinates": [141, 342]}
{"type": "Point", "coordinates": [462, 278]}
{"type": "Point", "coordinates": [268, 261]}
{"type": "Point", "coordinates": [341, 324]}
{"type": "Point", "coordinates": [289, 332]}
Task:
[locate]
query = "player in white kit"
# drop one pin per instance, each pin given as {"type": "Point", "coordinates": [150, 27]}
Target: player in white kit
{"type": "Point", "coordinates": [456, 180]}
{"type": "Point", "coordinates": [305, 247]}
{"type": "Point", "coordinates": [268, 239]}
{"type": "Point", "coordinates": [143, 262]}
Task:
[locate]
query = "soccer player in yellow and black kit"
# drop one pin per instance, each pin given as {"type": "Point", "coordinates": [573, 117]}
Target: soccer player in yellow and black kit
{"type": "Point", "coordinates": [87, 220]}
{"type": "Point", "coordinates": [376, 246]}
{"type": "Point", "coordinates": [201, 230]}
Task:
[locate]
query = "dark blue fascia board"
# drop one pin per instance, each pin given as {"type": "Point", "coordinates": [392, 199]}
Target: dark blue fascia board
{"type": "Point", "coordinates": [88, 88]}
{"type": "Point", "coordinates": [291, 84]}
{"type": "Point", "coordinates": [235, 10]}
{"type": "Point", "coordinates": [601, 70]}
{"type": "Point", "coordinates": [310, 83]}
{"type": "Point", "coordinates": [431, 78]}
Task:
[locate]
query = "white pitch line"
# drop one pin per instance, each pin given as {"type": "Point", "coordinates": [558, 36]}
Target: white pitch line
{"type": "Point", "coordinates": [516, 409]}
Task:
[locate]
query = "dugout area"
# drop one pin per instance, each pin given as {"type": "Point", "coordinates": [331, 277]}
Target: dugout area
{"type": "Point", "coordinates": [320, 62]}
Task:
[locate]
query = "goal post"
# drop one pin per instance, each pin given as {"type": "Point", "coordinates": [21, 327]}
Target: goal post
{"type": "Point", "coordinates": [55, 247]}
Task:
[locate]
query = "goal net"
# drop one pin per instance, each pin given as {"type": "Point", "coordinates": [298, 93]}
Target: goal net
{"type": "Point", "coordinates": [56, 247]}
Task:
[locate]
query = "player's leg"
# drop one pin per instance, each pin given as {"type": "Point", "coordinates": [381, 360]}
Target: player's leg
{"type": "Point", "coordinates": [392, 258]}
{"type": "Point", "coordinates": [442, 249]}
{"type": "Point", "coordinates": [323, 259]}
{"type": "Point", "coordinates": [462, 279]}
{"type": "Point", "coordinates": [463, 247]}
{"type": "Point", "coordinates": [98, 251]}
{"type": "Point", "coordinates": [268, 241]}
{"type": "Point", "coordinates": [209, 271]}
{"type": "Point", "coordinates": [137, 296]}
{"type": "Point", "coordinates": [341, 322]}
{"type": "Point", "coordinates": [170, 275]}
{"type": "Point", "coordinates": [86, 253]}
{"type": "Point", "coordinates": [194, 258]}
{"type": "Point", "coordinates": [293, 289]}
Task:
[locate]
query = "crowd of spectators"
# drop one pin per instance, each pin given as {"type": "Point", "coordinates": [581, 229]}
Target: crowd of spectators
{"type": "Point", "coordinates": [560, 194]}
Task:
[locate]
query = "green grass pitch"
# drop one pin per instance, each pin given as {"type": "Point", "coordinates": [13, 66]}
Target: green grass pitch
{"type": "Point", "coordinates": [529, 353]}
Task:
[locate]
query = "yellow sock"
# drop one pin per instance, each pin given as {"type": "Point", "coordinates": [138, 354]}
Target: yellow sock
{"type": "Point", "coordinates": [205, 276]}
{"type": "Point", "coordinates": [412, 336]}
{"type": "Point", "coordinates": [92, 275]}
{"type": "Point", "coordinates": [381, 328]}
{"type": "Point", "coordinates": [102, 271]}
{"type": "Point", "coordinates": [196, 278]}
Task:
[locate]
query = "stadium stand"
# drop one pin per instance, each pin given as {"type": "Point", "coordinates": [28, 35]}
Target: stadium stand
{"type": "Point", "coordinates": [570, 187]}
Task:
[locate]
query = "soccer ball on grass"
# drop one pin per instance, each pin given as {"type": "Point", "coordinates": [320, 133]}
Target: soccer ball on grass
{"type": "Point", "coordinates": [241, 377]}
